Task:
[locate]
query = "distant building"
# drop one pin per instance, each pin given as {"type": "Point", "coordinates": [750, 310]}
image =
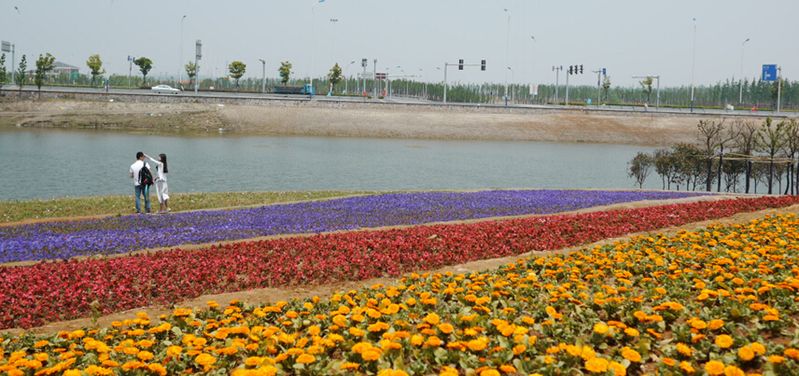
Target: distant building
{"type": "Point", "coordinates": [70, 71]}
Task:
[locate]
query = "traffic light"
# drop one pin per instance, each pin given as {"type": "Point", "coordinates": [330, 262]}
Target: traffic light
{"type": "Point", "coordinates": [460, 64]}
{"type": "Point", "coordinates": [581, 69]}
{"type": "Point", "coordinates": [604, 71]}
{"type": "Point", "coordinates": [483, 64]}
{"type": "Point", "coordinates": [570, 69]}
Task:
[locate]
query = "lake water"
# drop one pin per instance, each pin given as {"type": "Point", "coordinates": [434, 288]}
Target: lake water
{"type": "Point", "coordinates": [56, 163]}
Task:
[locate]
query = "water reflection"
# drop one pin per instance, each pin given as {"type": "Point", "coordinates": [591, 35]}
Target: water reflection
{"type": "Point", "coordinates": [53, 163]}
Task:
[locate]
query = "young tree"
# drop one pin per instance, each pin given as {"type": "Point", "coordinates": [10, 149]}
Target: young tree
{"type": "Point", "coordinates": [285, 72]}
{"type": "Point", "coordinates": [334, 76]}
{"type": "Point", "coordinates": [606, 87]}
{"type": "Point", "coordinates": [663, 166]}
{"type": "Point", "coordinates": [144, 64]}
{"type": "Point", "coordinates": [95, 65]}
{"type": "Point", "coordinates": [770, 140]}
{"type": "Point", "coordinates": [687, 163]}
{"type": "Point", "coordinates": [3, 74]}
{"type": "Point", "coordinates": [710, 136]}
{"type": "Point", "coordinates": [745, 144]}
{"type": "Point", "coordinates": [237, 69]}
{"type": "Point", "coordinates": [731, 134]}
{"type": "Point", "coordinates": [640, 167]}
{"type": "Point", "coordinates": [191, 71]}
{"type": "Point", "coordinates": [646, 84]}
{"type": "Point", "coordinates": [44, 64]}
{"type": "Point", "coordinates": [791, 149]}
{"type": "Point", "coordinates": [22, 72]}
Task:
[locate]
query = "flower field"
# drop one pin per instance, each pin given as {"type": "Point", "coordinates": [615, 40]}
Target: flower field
{"type": "Point", "coordinates": [718, 301]}
{"type": "Point", "coordinates": [63, 240]}
{"type": "Point", "coordinates": [53, 291]}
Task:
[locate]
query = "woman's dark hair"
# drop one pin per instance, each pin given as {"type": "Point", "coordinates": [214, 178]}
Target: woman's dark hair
{"type": "Point", "coordinates": [139, 155]}
{"type": "Point", "coordinates": [163, 160]}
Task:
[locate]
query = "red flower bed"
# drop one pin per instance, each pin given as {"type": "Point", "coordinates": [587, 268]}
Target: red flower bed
{"type": "Point", "coordinates": [48, 291]}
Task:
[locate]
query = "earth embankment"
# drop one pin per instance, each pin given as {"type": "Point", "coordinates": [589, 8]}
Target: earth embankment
{"type": "Point", "coordinates": [339, 119]}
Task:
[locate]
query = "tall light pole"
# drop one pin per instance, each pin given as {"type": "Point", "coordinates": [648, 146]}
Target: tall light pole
{"type": "Point", "coordinates": [693, 66]}
{"type": "Point", "coordinates": [346, 80]}
{"type": "Point", "coordinates": [313, 35]}
{"type": "Point", "coordinates": [507, 54]}
{"type": "Point", "coordinates": [333, 22]}
{"type": "Point", "coordinates": [421, 77]}
{"type": "Point", "coordinates": [180, 66]}
{"type": "Point", "coordinates": [532, 59]}
{"type": "Point", "coordinates": [741, 77]}
{"type": "Point", "coordinates": [263, 75]}
{"type": "Point", "coordinates": [506, 87]}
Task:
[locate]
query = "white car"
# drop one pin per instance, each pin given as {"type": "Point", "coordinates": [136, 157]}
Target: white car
{"type": "Point", "coordinates": [165, 89]}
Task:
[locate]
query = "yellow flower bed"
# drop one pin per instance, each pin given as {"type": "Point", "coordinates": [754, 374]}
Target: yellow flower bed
{"type": "Point", "coordinates": [719, 301]}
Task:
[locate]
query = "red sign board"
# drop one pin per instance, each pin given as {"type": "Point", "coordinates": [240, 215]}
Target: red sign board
{"type": "Point", "coordinates": [380, 76]}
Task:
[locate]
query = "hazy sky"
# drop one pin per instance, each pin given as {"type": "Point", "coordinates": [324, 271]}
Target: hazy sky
{"type": "Point", "coordinates": [628, 37]}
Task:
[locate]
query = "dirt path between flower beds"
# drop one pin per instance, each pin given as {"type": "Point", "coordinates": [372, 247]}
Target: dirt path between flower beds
{"type": "Point", "coordinates": [271, 295]}
{"type": "Point", "coordinates": [619, 206]}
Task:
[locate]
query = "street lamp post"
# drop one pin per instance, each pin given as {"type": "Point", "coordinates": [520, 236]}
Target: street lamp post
{"type": "Point", "coordinates": [557, 78]}
{"type": "Point", "coordinates": [180, 65]}
{"type": "Point", "coordinates": [263, 75]}
{"type": "Point", "coordinates": [130, 68]}
{"type": "Point", "coordinates": [507, 52]}
{"type": "Point", "coordinates": [741, 77]}
{"type": "Point", "coordinates": [421, 77]}
{"type": "Point", "coordinates": [506, 87]}
{"type": "Point", "coordinates": [693, 66]}
{"type": "Point", "coordinates": [346, 80]}
{"type": "Point", "coordinates": [532, 60]}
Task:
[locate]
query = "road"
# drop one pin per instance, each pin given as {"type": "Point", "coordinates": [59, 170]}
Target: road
{"type": "Point", "coordinates": [399, 100]}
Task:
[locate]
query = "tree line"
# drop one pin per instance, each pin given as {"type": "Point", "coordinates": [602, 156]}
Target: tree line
{"type": "Point", "coordinates": [755, 93]}
{"type": "Point", "coordinates": [732, 155]}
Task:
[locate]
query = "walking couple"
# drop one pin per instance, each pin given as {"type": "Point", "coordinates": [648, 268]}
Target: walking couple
{"type": "Point", "coordinates": [143, 179]}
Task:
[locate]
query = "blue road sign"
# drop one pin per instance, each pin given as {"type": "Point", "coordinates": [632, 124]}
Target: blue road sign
{"type": "Point", "coordinates": [769, 72]}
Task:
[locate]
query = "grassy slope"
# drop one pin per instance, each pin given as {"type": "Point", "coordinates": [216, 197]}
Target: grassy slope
{"type": "Point", "coordinates": [15, 211]}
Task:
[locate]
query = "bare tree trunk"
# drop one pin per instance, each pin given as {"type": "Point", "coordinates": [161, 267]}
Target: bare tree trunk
{"type": "Point", "coordinates": [748, 173]}
{"type": "Point", "coordinates": [787, 179]}
{"type": "Point", "coordinates": [721, 160]}
{"type": "Point", "coordinates": [771, 175]}
{"type": "Point", "coordinates": [709, 169]}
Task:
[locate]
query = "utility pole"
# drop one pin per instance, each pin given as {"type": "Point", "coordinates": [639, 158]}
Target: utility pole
{"type": "Point", "coordinates": [263, 75]}
{"type": "Point", "coordinates": [374, 80]}
{"type": "Point", "coordinates": [130, 69]}
{"type": "Point", "coordinates": [693, 67]}
{"type": "Point", "coordinates": [364, 63]}
{"type": "Point", "coordinates": [180, 66]}
{"type": "Point", "coordinates": [557, 82]}
{"type": "Point", "coordinates": [598, 85]}
{"type": "Point", "coordinates": [779, 87]}
{"type": "Point", "coordinates": [445, 82]}
{"type": "Point", "coordinates": [13, 62]}
{"type": "Point", "coordinates": [198, 54]}
{"type": "Point", "coordinates": [566, 102]}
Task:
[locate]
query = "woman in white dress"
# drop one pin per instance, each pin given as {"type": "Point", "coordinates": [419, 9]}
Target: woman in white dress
{"type": "Point", "coordinates": [161, 187]}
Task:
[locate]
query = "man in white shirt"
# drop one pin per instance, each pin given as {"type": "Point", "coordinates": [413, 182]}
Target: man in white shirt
{"type": "Point", "coordinates": [138, 188]}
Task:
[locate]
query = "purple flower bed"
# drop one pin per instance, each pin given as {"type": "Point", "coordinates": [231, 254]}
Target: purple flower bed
{"type": "Point", "coordinates": [61, 240]}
